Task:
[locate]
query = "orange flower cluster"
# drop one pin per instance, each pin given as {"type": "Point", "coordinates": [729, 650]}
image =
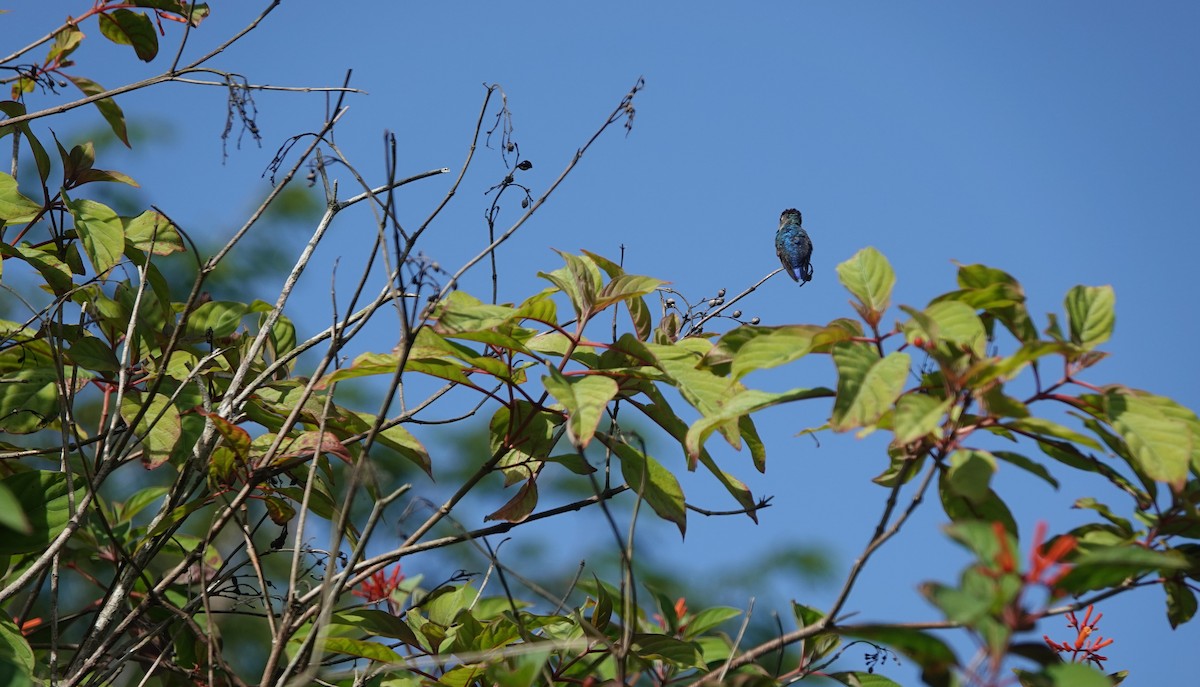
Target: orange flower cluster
{"type": "Point", "coordinates": [1085, 648]}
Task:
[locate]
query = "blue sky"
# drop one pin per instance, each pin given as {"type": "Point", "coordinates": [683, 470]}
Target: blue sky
{"type": "Point", "coordinates": [1057, 141]}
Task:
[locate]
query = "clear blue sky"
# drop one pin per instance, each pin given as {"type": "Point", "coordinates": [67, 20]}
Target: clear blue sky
{"type": "Point", "coordinates": [1057, 141]}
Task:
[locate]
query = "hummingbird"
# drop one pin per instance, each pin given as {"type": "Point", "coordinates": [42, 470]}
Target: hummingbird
{"type": "Point", "coordinates": [793, 246]}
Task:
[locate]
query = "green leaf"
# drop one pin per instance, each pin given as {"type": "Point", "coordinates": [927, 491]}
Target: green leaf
{"type": "Point", "coordinates": [462, 312]}
{"type": "Point", "coordinates": [585, 398]}
{"type": "Point", "coordinates": [1181, 602]}
{"type": "Point", "coordinates": [159, 427]}
{"type": "Point", "coordinates": [752, 348]}
{"type": "Point", "coordinates": [375, 623]}
{"type": "Point", "coordinates": [707, 619]}
{"type": "Point", "coordinates": [93, 354]}
{"type": "Point", "coordinates": [933, 655]}
{"type": "Point", "coordinates": [524, 670]}
{"type": "Point", "coordinates": [15, 109]}
{"type": "Point", "coordinates": [139, 500]}
{"type": "Point", "coordinates": [867, 384]}
{"type": "Point", "coordinates": [14, 207]}
{"type": "Point", "coordinates": [29, 399]}
{"type": "Point", "coordinates": [65, 42]}
{"type": "Point", "coordinates": [738, 406]}
{"type": "Point", "coordinates": [101, 231]}
{"type": "Point", "coordinates": [970, 473]}
{"type": "Point", "coordinates": [1076, 675]}
{"type": "Point", "coordinates": [1101, 568]}
{"type": "Point", "coordinates": [650, 480]}
{"type": "Point", "coordinates": [1027, 464]}
{"type": "Point", "coordinates": [869, 277]}
{"type": "Point", "coordinates": [965, 606]}
{"type": "Point", "coordinates": [52, 269]}
{"type": "Point", "coordinates": [523, 428]}
{"type": "Point", "coordinates": [400, 440]}
{"type": "Point", "coordinates": [626, 287]}
{"type": "Point", "coordinates": [17, 660]}
{"type": "Point", "coordinates": [857, 678]}
{"type": "Point", "coordinates": [362, 648]}
{"type": "Point", "coordinates": [1090, 314]}
{"type": "Point", "coordinates": [108, 108]}
{"type": "Point", "coordinates": [580, 280]}
{"type": "Point", "coordinates": [11, 515]}
{"type": "Point", "coordinates": [152, 232]}
{"type": "Point", "coordinates": [657, 647]}
{"type": "Point", "coordinates": [1038, 427]}
{"type": "Point", "coordinates": [43, 498]}
{"type": "Point", "coordinates": [1162, 446]}
{"type": "Point", "coordinates": [985, 506]}
{"type": "Point", "coordinates": [979, 537]}
{"type": "Point", "coordinates": [918, 415]}
{"type": "Point", "coordinates": [125, 27]}
{"type": "Point", "coordinates": [220, 317]}
{"type": "Point", "coordinates": [952, 323]}
{"type": "Point", "coordinates": [193, 12]}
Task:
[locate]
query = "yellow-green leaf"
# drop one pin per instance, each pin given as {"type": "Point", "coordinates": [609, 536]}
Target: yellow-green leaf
{"type": "Point", "coordinates": [867, 384]}
{"type": "Point", "coordinates": [869, 277]}
{"type": "Point", "coordinates": [1090, 312]}
{"type": "Point", "coordinates": [101, 231]}
{"type": "Point", "coordinates": [585, 398]}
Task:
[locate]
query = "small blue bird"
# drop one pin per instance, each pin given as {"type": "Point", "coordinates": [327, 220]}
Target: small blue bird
{"type": "Point", "coordinates": [793, 246]}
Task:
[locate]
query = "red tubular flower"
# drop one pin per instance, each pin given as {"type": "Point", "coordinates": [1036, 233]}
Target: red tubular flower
{"type": "Point", "coordinates": [379, 587]}
{"type": "Point", "coordinates": [1085, 648]}
{"type": "Point", "coordinates": [1041, 562]}
{"type": "Point", "coordinates": [1004, 559]}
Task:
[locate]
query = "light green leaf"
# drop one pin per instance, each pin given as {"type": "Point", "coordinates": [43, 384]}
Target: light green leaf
{"type": "Point", "coordinates": [11, 514]}
{"type": "Point", "coordinates": [159, 428]}
{"type": "Point", "coordinates": [867, 384]}
{"type": "Point", "coordinates": [101, 231]}
{"type": "Point", "coordinates": [585, 398]}
{"type": "Point", "coordinates": [971, 473]}
{"type": "Point", "coordinates": [28, 399]}
{"type": "Point", "coordinates": [16, 656]}
{"type": "Point", "coordinates": [151, 231]}
{"type": "Point", "coordinates": [15, 207]}
{"type": "Point", "coordinates": [43, 498]}
{"type": "Point", "coordinates": [869, 277]}
{"type": "Point", "coordinates": [108, 108]}
{"type": "Point", "coordinates": [917, 415]}
{"type": "Point", "coordinates": [398, 439]}
{"type": "Point", "coordinates": [362, 648]}
{"type": "Point", "coordinates": [625, 287]}
{"type": "Point", "coordinates": [752, 348]}
{"type": "Point", "coordinates": [951, 322]}
{"type": "Point", "coordinates": [461, 312]}
{"type": "Point", "coordinates": [857, 678]}
{"type": "Point", "coordinates": [650, 480]}
{"type": "Point", "coordinates": [16, 109]}
{"type": "Point", "coordinates": [1076, 675]}
{"type": "Point", "coordinates": [1091, 315]}
{"type": "Point", "coordinates": [738, 405]}
{"type": "Point", "coordinates": [1161, 445]}
{"type": "Point", "coordinates": [580, 280]}
{"type": "Point", "coordinates": [1041, 427]}
{"type": "Point", "coordinates": [221, 317]}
